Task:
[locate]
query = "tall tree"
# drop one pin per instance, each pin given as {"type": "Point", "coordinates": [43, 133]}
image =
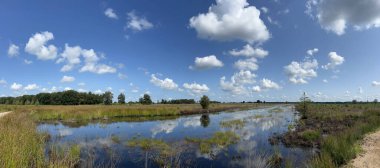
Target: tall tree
{"type": "Point", "coordinates": [107, 98]}
{"type": "Point", "coordinates": [205, 102]}
{"type": "Point", "coordinates": [121, 98]}
{"type": "Point", "coordinates": [146, 100]}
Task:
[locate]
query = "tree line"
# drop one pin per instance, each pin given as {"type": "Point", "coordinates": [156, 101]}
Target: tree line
{"type": "Point", "coordinates": [72, 97]}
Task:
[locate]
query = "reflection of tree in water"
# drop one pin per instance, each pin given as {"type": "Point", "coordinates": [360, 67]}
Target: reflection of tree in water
{"type": "Point", "coordinates": [205, 120]}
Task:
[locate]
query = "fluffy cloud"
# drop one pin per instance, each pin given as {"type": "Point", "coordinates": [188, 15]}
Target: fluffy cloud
{"type": "Point", "coordinates": [206, 63]}
{"type": "Point", "coordinates": [196, 88]}
{"type": "Point", "coordinates": [31, 87]}
{"type": "Point", "coordinates": [237, 83]}
{"type": "Point", "coordinates": [37, 46]}
{"type": "Point", "coordinates": [301, 72]}
{"type": "Point", "coordinates": [13, 50]}
{"type": "Point", "coordinates": [137, 23]}
{"type": "Point", "coordinates": [110, 13]}
{"type": "Point", "coordinates": [16, 86]}
{"type": "Point", "coordinates": [72, 56]}
{"type": "Point", "coordinates": [337, 15]}
{"type": "Point", "coordinates": [244, 77]}
{"type": "Point", "coordinates": [249, 51]}
{"type": "Point", "coordinates": [335, 60]}
{"type": "Point", "coordinates": [375, 83]}
{"type": "Point", "coordinates": [256, 88]}
{"type": "Point", "coordinates": [264, 9]}
{"type": "Point", "coordinates": [268, 84]}
{"type": "Point", "coordinates": [230, 20]}
{"type": "Point", "coordinates": [313, 51]}
{"type": "Point", "coordinates": [232, 87]}
{"type": "Point", "coordinates": [247, 64]}
{"type": "Point", "coordinates": [67, 79]}
{"type": "Point", "coordinates": [167, 83]}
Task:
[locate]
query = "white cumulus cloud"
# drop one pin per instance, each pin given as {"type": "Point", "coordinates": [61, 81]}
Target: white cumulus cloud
{"type": "Point", "coordinates": [31, 87]}
{"type": "Point", "coordinates": [109, 12]}
{"type": "Point", "coordinates": [67, 79]}
{"type": "Point", "coordinates": [137, 23]}
{"type": "Point", "coordinates": [13, 50]}
{"type": "Point", "coordinates": [166, 83]}
{"type": "Point", "coordinates": [196, 88]}
{"type": "Point", "coordinates": [335, 60]}
{"type": "Point", "coordinates": [231, 20]}
{"type": "Point", "coordinates": [249, 51]}
{"type": "Point", "coordinates": [313, 51]}
{"type": "Point", "coordinates": [72, 56]}
{"type": "Point", "coordinates": [268, 84]}
{"type": "Point", "coordinates": [16, 86]}
{"type": "Point", "coordinates": [247, 64]}
{"type": "Point", "coordinates": [207, 62]}
{"type": "Point", "coordinates": [375, 83]}
{"type": "Point", "coordinates": [337, 15]}
{"type": "Point", "coordinates": [232, 87]}
{"type": "Point", "coordinates": [37, 45]}
{"type": "Point", "coordinates": [301, 72]}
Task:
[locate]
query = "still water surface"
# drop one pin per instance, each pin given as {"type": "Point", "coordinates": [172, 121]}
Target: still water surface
{"type": "Point", "coordinates": [106, 142]}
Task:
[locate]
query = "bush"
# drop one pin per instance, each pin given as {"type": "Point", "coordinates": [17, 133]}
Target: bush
{"type": "Point", "coordinates": [205, 102]}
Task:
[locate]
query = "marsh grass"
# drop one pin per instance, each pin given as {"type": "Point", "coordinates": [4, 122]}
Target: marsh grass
{"type": "Point", "coordinates": [311, 135]}
{"type": "Point", "coordinates": [94, 112]}
{"type": "Point", "coordinates": [339, 148]}
{"type": "Point", "coordinates": [238, 124]}
{"type": "Point", "coordinates": [276, 110]}
{"type": "Point", "coordinates": [219, 139]}
{"type": "Point", "coordinates": [22, 146]}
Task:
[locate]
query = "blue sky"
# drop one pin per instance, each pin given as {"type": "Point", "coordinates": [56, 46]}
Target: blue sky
{"type": "Point", "coordinates": [239, 50]}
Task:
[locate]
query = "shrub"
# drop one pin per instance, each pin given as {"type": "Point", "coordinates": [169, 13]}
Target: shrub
{"type": "Point", "coordinates": [205, 102]}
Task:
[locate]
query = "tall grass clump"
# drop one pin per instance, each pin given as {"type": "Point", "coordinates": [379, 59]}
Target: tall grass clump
{"type": "Point", "coordinates": [339, 149]}
{"type": "Point", "coordinates": [20, 144]}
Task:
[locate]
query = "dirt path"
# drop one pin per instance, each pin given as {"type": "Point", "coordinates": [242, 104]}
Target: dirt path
{"type": "Point", "coordinates": [370, 158]}
{"type": "Point", "coordinates": [4, 113]}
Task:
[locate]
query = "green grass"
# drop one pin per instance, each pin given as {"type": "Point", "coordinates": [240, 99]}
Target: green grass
{"type": "Point", "coordinates": [219, 139]}
{"type": "Point", "coordinates": [94, 112]}
{"type": "Point", "coordinates": [276, 110]}
{"type": "Point", "coordinates": [22, 146]}
{"type": "Point", "coordinates": [310, 135]}
{"type": "Point", "coordinates": [233, 124]}
{"type": "Point", "coordinates": [148, 144]}
{"type": "Point", "coordinates": [338, 148]}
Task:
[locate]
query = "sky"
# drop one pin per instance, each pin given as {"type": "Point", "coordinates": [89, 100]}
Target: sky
{"type": "Point", "coordinates": [241, 50]}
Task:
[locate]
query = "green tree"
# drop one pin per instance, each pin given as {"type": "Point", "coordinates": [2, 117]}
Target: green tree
{"type": "Point", "coordinates": [121, 98]}
{"type": "Point", "coordinates": [107, 98]}
{"type": "Point", "coordinates": [205, 102]}
{"type": "Point", "coordinates": [146, 100]}
{"type": "Point", "coordinates": [70, 97]}
{"type": "Point", "coordinates": [303, 105]}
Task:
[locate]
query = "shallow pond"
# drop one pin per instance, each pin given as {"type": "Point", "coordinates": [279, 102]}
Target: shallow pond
{"type": "Point", "coordinates": [226, 139]}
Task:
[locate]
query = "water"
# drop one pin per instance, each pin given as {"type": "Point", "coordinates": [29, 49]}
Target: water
{"type": "Point", "coordinates": [105, 142]}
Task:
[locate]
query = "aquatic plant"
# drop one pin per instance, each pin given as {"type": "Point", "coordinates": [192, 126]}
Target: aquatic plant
{"type": "Point", "coordinates": [237, 124]}
{"type": "Point", "coordinates": [219, 140]}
